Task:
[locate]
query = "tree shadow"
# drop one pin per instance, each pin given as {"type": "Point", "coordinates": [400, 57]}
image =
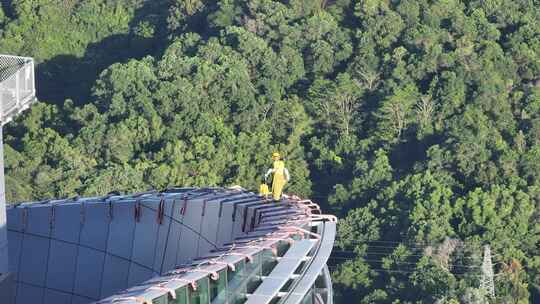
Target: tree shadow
{"type": "Point", "coordinates": [70, 77]}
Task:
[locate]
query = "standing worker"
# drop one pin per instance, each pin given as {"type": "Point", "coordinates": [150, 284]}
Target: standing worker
{"type": "Point", "coordinates": [281, 176]}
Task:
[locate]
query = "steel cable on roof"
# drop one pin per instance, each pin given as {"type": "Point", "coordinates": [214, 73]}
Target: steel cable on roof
{"type": "Point", "coordinates": [188, 227]}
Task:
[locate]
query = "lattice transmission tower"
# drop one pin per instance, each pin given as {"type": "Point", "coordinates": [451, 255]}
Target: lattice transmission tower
{"type": "Point", "coordinates": [486, 282]}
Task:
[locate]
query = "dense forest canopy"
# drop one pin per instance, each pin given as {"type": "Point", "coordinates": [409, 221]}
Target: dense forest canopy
{"type": "Point", "coordinates": [417, 122]}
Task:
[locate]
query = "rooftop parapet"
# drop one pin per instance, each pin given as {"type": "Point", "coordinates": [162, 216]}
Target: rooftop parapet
{"type": "Point", "coordinates": [182, 245]}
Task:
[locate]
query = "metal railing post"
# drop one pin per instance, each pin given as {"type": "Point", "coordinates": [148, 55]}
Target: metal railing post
{"type": "Point", "coordinates": [33, 78]}
{"type": "Point", "coordinates": [17, 88]}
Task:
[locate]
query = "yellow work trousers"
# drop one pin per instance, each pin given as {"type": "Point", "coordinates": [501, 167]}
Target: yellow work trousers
{"type": "Point", "coordinates": [277, 186]}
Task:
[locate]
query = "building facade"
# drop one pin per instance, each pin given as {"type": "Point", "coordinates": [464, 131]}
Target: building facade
{"type": "Point", "coordinates": [182, 245]}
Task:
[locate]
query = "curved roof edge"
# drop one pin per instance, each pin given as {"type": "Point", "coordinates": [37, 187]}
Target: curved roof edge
{"type": "Point", "coordinates": [275, 229]}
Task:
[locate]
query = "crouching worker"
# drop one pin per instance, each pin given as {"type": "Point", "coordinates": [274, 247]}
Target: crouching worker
{"type": "Point", "coordinates": [281, 176]}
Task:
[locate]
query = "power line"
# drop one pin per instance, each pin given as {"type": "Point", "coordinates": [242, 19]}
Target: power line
{"type": "Point", "coordinates": [408, 244]}
{"type": "Point", "coordinates": [403, 271]}
{"type": "Point", "coordinates": [405, 244]}
{"type": "Point", "coordinates": [486, 278]}
{"type": "Point", "coordinates": [368, 252]}
{"type": "Point", "coordinates": [398, 262]}
{"type": "Point", "coordinates": [386, 254]}
{"type": "Point", "coordinates": [375, 253]}
{"type": "Point", "coordinates": [389, 247]}
{"type": "Point", "coordinates": [383, 245]}
{"type": "Point", "coordinates": [387, 242]}
{"type": "Point", "coordinates": [380, 250]}
{"type": "Point", "coordinates": [493, 255]}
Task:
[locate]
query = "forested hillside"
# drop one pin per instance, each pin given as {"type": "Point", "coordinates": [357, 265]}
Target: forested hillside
{"type": "Point", "coordinates": [416, 122]}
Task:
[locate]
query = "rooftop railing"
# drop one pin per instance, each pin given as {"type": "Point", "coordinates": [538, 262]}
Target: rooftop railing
{"type": "Point", "coordinates": [17, 86]}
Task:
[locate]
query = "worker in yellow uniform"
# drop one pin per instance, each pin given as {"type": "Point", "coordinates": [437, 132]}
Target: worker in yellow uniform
{"type": "Point", "coordinates": [281, 176]}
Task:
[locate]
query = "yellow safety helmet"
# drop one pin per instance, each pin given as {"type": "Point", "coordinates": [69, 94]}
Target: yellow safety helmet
{"type": "Point", "coordinates": [275, 155]}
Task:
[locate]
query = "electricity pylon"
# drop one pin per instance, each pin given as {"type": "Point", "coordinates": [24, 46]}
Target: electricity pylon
{"type": "Point", "coordinates": [486, 283]}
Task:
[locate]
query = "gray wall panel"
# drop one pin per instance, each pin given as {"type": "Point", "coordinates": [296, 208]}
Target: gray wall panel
{"type": "Point", "coordinates": [14, 219]}
{"type": "Point", "coordinates": [62, 265]}
{"type": "Point", "coordinates": [177, 209]}
{"type": "Point", "coordinates": [193, 213]}
{"type": "Point", "coordinates": [187, 248]}
{"type": "Point", "coordinates": [189, 238]}
{"type": "Point", "coordinates": [89, 270]}
{"type": "Point", "coordinates": [67, 223]}
{"type": "Point", "coordinates": [34, 260]}
{"type": "Point", "coordinates": [27, 294]}
{"type": "Point", "coordinates": [225, 227]}
{"type": "Point", "coordinates": [209, 227]}
{"type": "Point", "coordinates": [80, 300]}
{"type": "Point", "coordinates": [39, 221]}
{"type": "Point", "coordinates": [173, 243]}
{"type": "Point", "coordinates": [239, 221]}
{"type": "Point", "coordinates": [15, 243]}
{"type": "Point", "coordinates": [144, 244]}
{"type": "Point", "coordinates": [95, 226]}
{"type": "Point", "coordinates": [115, 275]}
{"type": "Point", "coordinates": [153, 203]}
{"type": "Point", "coordinates": [251, 218]}
{"type": "Point", "coordinates": [56, 297]}
{"type": "Point", "coordinates": [169, 204]}
{"type": "Point", "coordinates": [121, 230]}
{"type": "Point", "coordinates": [138, 274]}
{"type": "Point", "coordinates": [161, 244]}
{"type": "Point", "coordinates": [249, 210]}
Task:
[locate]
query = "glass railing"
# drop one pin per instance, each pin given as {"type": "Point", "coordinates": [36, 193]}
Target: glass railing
{"type": "Point", "coordinates": [231, 287]}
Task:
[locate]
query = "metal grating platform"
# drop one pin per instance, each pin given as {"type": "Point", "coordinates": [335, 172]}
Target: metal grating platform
{"type": "Point", "coordinates": [17, 86]}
